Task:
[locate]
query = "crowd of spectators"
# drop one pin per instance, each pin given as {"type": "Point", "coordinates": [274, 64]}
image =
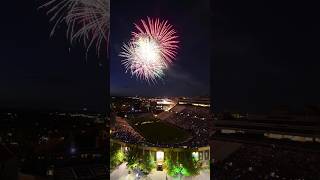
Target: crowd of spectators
{"type": "Point", "coordinates": [124, 132]}
{"type": "Point", "coordinates": [193, 119]}
{"type": "Point", "coordinates": [268, 162]}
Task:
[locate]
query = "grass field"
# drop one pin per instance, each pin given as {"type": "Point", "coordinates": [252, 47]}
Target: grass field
{"type": "Point", "coordinates": [156, 131]}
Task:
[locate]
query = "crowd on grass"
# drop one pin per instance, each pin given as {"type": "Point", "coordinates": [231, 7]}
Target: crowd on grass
{"type": "Point", "coordinates": [272, 162]}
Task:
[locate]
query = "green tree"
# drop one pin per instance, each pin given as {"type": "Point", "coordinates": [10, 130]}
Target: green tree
{"type": "Point", "coordinates": [133, 157]}
{"type": "Point", "coordinates": [189, 164]}
{"type": "Point", "coordinates": [147, 163]}
{"type": "Point", "coordinates": [116, 155]}
{"type": "Point", "coordinates": [171, 163]}
{"type": "Point", "coordinates": [183, 164]}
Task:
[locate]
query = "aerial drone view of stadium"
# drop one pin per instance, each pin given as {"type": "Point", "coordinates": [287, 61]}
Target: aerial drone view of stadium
{"type": "Point", "coordinates": [153, 123]}
{"type": "Point", "coordinates": [161, 125]}
{"type": "Point", "coordinates": [246, 108]}
{"type": "Point", "coordinates": [159, 80]}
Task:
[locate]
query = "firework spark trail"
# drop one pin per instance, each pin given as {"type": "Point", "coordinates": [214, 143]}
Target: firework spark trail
{"type": "Point", "coordinates": [151, 50]}
{"type": "Point", "coordinates": [86, 20]}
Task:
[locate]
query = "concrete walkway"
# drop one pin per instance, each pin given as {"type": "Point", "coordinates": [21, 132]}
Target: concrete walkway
{"type": "Point", "coordinates": [121, 173]}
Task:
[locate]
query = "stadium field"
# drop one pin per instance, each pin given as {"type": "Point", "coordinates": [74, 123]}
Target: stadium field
{"type": "Point", "coordinates": [156, 131]}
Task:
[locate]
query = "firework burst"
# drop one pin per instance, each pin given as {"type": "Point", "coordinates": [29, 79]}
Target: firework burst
{"type": "Point", "coordinates": [86, 20]}
{"type": "Point", "coordinates": [152, 49]}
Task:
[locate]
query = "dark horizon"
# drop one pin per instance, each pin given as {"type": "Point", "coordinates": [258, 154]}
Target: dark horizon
{"type": "Point", "coordinates": [265, 55]}
{"type": "Point", "coordinates": [43, 72]}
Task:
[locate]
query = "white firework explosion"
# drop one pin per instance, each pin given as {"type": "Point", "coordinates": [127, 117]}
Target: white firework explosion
{"type": "Point", "coordinates": [143, 59]}
{"type": "Point", "coordinates": [151, 50]}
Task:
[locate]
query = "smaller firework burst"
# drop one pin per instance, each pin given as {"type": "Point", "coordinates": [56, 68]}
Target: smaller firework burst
{"type": "Point", "coordinates": [86, 20]}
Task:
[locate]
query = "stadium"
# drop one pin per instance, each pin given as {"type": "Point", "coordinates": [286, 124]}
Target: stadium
{"type": "Point", "coordinates": [159, 127]}
{"type": "Point", "coordinates": [161, 122]}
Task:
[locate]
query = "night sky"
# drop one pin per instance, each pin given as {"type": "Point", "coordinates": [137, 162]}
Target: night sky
{"type": "Point", "coordinates": [190, 73]}
{"type": "Point", "coordinates": [39, 72]}
{"type": "Point", "coordinates": [265, 55]}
